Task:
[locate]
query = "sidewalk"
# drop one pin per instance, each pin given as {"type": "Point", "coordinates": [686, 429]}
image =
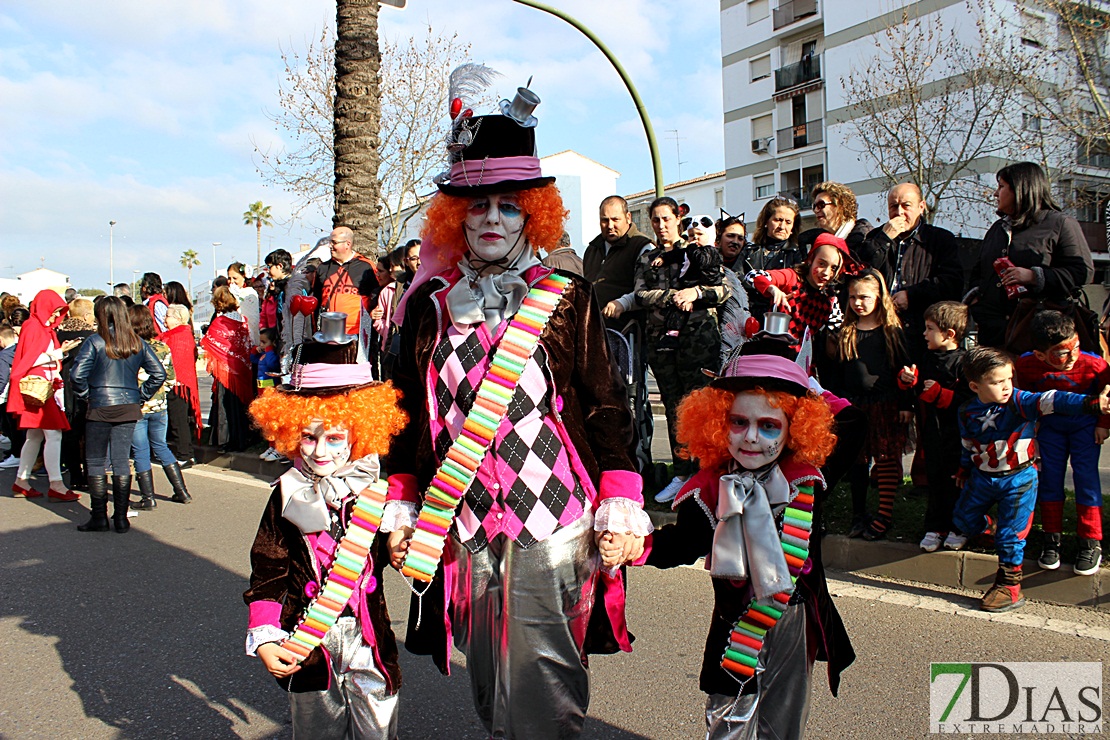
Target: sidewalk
{"type": "Point", "coordinates": [906, 562]}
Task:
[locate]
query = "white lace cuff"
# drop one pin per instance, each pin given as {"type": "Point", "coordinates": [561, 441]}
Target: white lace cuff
{"type": "Point", "coordinates": [397, 514]}
{"type": "Point", "coordinates": [623, 516]}
{"type": "Point", "coordinates": [263, 634]}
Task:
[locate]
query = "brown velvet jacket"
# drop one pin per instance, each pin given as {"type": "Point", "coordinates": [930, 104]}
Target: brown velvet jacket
{"type": "Point", "coordinates": [282, 566]}
{"type": "Point", "coordinates": [594, 410]}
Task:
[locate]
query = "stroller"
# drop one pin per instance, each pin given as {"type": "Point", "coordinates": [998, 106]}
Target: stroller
{"type": "Point", "coordinates": [626, 349]}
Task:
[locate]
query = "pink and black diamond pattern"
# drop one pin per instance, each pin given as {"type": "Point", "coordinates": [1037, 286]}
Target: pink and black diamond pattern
{"type": "Point", "coordinates": [525, 486]}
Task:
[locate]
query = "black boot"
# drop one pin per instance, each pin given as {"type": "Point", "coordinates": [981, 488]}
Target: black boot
{"type": "Point", "coordinates": [146, 500]}
{"type": "Point", "coordinates": [98, 490]}
{"type": "Point", "coordinates": [173, 474]}
{"type": "Point", "coordinates": [121, 497]}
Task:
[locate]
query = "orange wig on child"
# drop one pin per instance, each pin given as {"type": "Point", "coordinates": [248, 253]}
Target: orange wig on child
{"type": "Point", "coordinates": [370, 414]}
{"type": "Point", "coordinates": [443, 221]}
{"type": "Point", "coordinates": [702, 421]}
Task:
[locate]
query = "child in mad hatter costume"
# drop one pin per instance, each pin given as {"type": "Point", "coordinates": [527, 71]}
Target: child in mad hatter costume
{"type": "Point", "coordinates": [753, 511]}
{"type": "Point", "coordinates": [318, 618]}
{"type": "Point", "coordinates": [519, 445]}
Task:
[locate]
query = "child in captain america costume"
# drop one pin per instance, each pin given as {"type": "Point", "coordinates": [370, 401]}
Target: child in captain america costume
{"type": "Point", "coordinates": [1057, 364]}
{"type": "Point", "coordinates": [998, 464]}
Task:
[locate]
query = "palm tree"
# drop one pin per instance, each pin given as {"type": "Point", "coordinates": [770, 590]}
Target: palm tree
{"type": "Point", "coordinates": [357, 120]}
{"type": "Point", "coordinates": [189, 260]}
{"type": "Point", "coordinates": [257, 215]}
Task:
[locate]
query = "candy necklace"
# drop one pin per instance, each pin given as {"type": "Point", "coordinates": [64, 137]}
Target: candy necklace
{"type": "Point", "coordinates": [351, 557]}
{"type": "Point", "coordinates": [491, 404]}
{"type": "Point", "coordinates": [742, 654]}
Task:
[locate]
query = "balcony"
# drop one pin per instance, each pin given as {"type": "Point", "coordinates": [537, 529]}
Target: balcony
{"type": "Point", "coordinates": [1092, 157]}
{"type": "Point", "coordinates": [797, 74]}
{"type": "Point", "coordinates": [801, 196]}
{"type": "Point", "coordinates": [798, 136]}
{"type": "Point", "coordinates": [792, 11]}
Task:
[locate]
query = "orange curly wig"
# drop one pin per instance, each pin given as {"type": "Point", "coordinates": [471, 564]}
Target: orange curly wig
{"type": "Point", "coordinates": [546, 218]}
{"type": "Point", "coordinates": [702, 425]}
{"type": "Point", "coordinates": [370, 414]}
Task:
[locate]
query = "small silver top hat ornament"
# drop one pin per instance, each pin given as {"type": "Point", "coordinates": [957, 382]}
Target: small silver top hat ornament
{"type": "Point", "coordinates": [776, 322]}
{"type": "Point", "coordinates": [333, 329]}
{"type": "Point", "coordinates": [521, 107]}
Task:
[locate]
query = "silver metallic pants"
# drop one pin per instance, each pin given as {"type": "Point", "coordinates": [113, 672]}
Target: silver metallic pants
{"type": "Point", "coordinates": [780, 706]}
{"type": "Point", "coordinates": [355, 706]}
{"type": "Point", "coordinates": [520, 617]}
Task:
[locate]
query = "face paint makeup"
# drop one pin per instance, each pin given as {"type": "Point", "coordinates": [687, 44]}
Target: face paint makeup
{"type": "Point", "coordinates": [757, 431]}
{"type": "Point", "coordinates": [324, 450]}
{"type": "Point", "coordinates": [494, 226]}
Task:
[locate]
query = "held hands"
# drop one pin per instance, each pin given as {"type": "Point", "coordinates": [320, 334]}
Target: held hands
{"type": "Point", "coordinates": [618, 549]}
{"type": "Point", "coordinates": [398, 544]}
{"type": "Point", "coordinates": [1104, 400]}
{"type": "Point", "coordinates": [278, 661]}
{"type": "Point", "coordinates": [685, 298]}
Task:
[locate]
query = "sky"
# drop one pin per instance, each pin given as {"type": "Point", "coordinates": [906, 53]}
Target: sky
{"type": "Point", "coordinates": [144, 114]}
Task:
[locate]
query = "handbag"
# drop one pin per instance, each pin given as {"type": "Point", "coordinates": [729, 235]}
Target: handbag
{"type": "Point", "coordinates": [1076, 307]}
{"type": "Point", "coordinates": [35, 389]}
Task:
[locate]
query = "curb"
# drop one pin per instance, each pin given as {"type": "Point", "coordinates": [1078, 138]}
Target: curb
{"type": "Point", "coordinates": [906, 562]}
{"type": "Point", "coordinates": [242, 462]}
{"type": "Point", "coordinates": [965, 570]}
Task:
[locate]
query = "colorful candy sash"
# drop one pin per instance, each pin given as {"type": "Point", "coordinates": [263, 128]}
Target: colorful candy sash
{"type": "Point", "coordinates": [742, 654]}
{"type": "Point", "coordinates": [351, 557]}
{"type": "Point", "coordinates": [491, 404]}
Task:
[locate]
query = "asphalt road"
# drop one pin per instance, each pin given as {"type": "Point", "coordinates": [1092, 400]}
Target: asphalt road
{"type": "Point", "coordinates": [141, 636]}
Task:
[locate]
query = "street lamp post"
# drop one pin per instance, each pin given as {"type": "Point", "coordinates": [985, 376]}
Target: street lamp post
{"type": "Point", "coordinates": [214, 245]}
{"type": "Point", "coordinates": [135, 282]}
{"type": "Point", "coordinates": [111, 254]}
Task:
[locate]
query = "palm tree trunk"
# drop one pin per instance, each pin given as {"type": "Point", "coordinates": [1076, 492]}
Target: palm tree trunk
{"type": "Point", "coordinates": [357, 121]}
{"type": "Point", "coordinates": [258, 259]}
{"type": "Point", "coordinates": [190, 282]}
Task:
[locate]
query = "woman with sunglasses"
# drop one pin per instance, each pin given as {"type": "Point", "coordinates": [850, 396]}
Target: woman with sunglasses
{"type": "Point", "coordinates": [836, 211]}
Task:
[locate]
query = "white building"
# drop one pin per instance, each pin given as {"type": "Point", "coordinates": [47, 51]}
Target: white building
{"type": "Point", "coordinates": [786, 117]}
{"type": "Point", "coordinates": [28, 284]}
{"type": "Point", "coordinates": [704, 195]}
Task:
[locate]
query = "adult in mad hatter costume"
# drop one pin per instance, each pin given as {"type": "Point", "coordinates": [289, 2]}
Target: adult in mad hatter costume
{"type": "Point", "coordinates": [318, 619]}
{"type": "Point", "coordinates": [519, 445]}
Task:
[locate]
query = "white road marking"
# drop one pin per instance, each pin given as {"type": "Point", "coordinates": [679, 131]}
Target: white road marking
{"type": "Point", "coordinates": [241, 480]}
{"type": "Point", "coordinates": [958, 605]}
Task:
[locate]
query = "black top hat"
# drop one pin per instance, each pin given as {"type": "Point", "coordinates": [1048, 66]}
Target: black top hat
{"type": "Point", "coordinates": [492, 154]}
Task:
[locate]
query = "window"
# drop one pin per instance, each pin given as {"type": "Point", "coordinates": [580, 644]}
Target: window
{"type": "Point", "coordinates": [758, 10]}
{"type": "Point", "coordinates": [718, 197]}
{"type": "Point", "coordinates": [762, 131]}
{"type": "Point", "coordinates": [1034, 28]}
{"type": "Point", "coordinates": [761, 67]}
{"type": "Point", "coordinates": [1030, 122]}
{"type": "Point", "coordinates": [764, 185]}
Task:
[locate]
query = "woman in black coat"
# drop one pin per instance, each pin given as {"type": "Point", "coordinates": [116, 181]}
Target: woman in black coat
{"type": "Point", "coordinates": [1049, 253]}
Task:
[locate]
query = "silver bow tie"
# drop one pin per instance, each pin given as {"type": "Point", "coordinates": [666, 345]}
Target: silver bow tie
{"type": "Point", "coordinates": [746, 544]}
{"type": "Point", "coordinates": [489, 299]}
{"type": "Point", "coordinates": [305, 501]}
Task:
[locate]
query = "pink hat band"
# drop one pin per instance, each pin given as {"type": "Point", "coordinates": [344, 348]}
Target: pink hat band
{"type": "Point", "coordinates": [493, 170]}
{"type": "Point", "coordinates": [327, 375]}
{"type": "Point", "coordinates": [767, 366]}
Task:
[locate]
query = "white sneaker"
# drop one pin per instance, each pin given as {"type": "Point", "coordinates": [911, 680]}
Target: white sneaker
{"type": "Point", "coordinates": [5, 443]}
{"type": "Point", "coordinates": [672, 489]}
{"type": "Point", "coordinates": [955, 541]}
{"type": "Point", "coordinates": [267, 455]}
{"type": "Point", "coordinates": [931, 541]}
{"type": "Point", "coordinates": [11, 462]}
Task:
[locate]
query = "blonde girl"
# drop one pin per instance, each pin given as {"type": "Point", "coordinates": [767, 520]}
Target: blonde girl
{"type": "Point", "coordinates": [861, 364]}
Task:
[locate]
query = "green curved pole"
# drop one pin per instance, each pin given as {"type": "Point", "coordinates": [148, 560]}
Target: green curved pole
{"type": "Point", "coordinates": [656, 165]}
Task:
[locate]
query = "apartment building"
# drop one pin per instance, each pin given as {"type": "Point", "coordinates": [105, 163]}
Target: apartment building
{"type": "Point", "coordinates": [788, 123]}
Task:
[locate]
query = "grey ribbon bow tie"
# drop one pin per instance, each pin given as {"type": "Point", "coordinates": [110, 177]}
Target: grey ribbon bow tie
{"type": "Point", "coordinates": [489, 299]}
{"type": "Point", "coordinates": [305, 501]}
{"type": "Point", "coordinates": [746, 544]}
